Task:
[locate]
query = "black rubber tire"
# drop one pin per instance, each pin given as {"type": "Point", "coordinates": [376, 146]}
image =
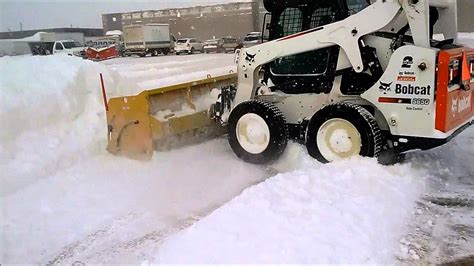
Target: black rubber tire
{"type": "Point", "coordinates": [142, 55]}
{"type": "Point", "coordinates": [191, 51]}
{"type": "Point", "coordinates": [166, 52]}
{"type": "Point", "coordinates": [363, 120]}
{"type": "Point", "coordinates": [154, 53]}
{"type": "Point", "coordinates": [177, 53]}
{"type": "Point", "coordinates": [276, 123]}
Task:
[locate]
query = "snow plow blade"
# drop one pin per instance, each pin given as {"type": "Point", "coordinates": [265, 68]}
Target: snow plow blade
{"type": "Point", "coordinates": [164, 118]}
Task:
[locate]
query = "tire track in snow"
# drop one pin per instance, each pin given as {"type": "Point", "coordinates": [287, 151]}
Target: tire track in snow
{"type": "Point", "coordinates": [85, 250]}
{"type": "Point", "coordinates": [83, 245]}
{"type": "Point", "coordinates": [151, 238]}
{"type": "Point", "coordinates": [74, 252]}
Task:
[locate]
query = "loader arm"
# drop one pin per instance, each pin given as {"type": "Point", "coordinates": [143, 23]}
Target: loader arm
{"type": "Point", "coordinates": [345, 34]}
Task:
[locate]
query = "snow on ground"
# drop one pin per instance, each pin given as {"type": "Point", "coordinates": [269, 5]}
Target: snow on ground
{"type": "Point", "coordinates": [60, 189]}
{"type": "Point", "coordinates": [347, 212]}
{"type": "Point", "coordinates": [443, 227]}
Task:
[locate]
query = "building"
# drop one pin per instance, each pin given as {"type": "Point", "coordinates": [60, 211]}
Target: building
{"type": "Point", "coordinates": [204, 22]}
{"type": "Point", "coordinates": [81, 35]}
{"type": "Point", "coordinates": [465, 12]}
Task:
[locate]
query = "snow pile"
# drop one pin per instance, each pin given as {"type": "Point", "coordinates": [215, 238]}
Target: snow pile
{"type": "Point", "coordinates": [353, 211]}
{"type": "Point", "coordinates": [52, 115]}
{"type": "Point", "coordinates": [155, 72]}
{"type": "Point", "coordinates": [63, 198]}
{"type": "Point", "coordinates": [199, 104]}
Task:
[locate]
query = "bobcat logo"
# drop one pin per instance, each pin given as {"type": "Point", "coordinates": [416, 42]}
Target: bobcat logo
{"type": "Point", "coordinates": [385, 87]}
{"type": "Point", "coordinates": [250, 57]}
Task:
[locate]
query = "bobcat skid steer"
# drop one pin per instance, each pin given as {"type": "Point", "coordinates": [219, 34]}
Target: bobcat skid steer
{"type": "Point", "coordinates": [344, 77]}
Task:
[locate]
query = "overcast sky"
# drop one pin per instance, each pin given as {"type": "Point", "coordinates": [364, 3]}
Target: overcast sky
{"type": "Point", "coordinates": [86, 13]}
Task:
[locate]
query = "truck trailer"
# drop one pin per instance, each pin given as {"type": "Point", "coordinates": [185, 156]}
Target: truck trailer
{"type": "Point", "coordinates": [147, 39]}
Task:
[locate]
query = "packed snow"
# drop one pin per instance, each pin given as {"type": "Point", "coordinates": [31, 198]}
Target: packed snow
{"type": "Point", "coordinates": [64, 199]}
{"type": "Point", "coordinates": [59, 185]}
{"type": "Point", "coordinates": [149, 73]}
{"type": "Point", "coordinates": [347, 212]}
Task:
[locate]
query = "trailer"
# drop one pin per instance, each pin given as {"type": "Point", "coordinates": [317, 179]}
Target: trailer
{"type": "Point", "coordinates": [146, 39]}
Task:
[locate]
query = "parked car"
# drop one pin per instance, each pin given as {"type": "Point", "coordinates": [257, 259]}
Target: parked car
{"type": "Point", "coordinates": [213, 45]}
{"type": "Point", "coordinates": [188, 45]}
{"type": "Point", "coordinates": [230, 44]}
{"type": "Point", "coordinates": [252, 39]}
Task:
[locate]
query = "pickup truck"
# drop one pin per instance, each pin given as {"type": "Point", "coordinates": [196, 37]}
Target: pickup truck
{"type": "Point", "coordinates": [68, 47]}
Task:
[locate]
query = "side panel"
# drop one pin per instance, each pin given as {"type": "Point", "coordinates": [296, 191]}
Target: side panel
{"type": "Point", "coordinates": [133, 37]}
{"type": "Point", "coordinates": [156, 36]}
{"type": "Point", "coordinates": [454, 104]}
{"type": "Point", "coordinates": [405, 93]}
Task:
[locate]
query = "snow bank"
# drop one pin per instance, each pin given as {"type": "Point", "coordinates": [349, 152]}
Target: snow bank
{"type": "Point", "coordinates": [52, 115]}
{"type": "Point", "coordinates": [98, 208]}
{"type": "Point", "coordinates": [63, 198]}
{"type": "Point", "coordinates": [352, 211]}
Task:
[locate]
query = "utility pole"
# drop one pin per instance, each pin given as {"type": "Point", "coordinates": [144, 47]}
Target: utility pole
{"type": "Point", "coordinates": [21, 26]}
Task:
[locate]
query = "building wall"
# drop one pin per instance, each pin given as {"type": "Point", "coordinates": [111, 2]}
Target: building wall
{"type": "Point", "coordinates": [112, 22]}
{"type": "Point", "coordinates": [85, 32]}
{"type": "Point", "coordinates": [465, 15]}
{"type": "Point", "coordinates": [203, 22]}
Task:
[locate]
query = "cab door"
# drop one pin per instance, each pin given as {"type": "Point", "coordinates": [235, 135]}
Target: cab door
{"type": "Point", "coordinates": [59, 48]}
{"type": "Point", "coordinates": [309, 72]}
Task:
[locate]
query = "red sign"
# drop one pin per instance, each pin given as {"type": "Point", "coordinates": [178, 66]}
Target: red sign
{"type": "Point", "coordinates": [406, 78]}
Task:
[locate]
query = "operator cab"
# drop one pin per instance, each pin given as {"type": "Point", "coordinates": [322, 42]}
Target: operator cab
{"type": "Point", "coordinates": [313, 71]}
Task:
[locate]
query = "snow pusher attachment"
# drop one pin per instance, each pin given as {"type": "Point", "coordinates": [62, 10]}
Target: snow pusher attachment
{"type": "Point", "coordinates": [164, 118]}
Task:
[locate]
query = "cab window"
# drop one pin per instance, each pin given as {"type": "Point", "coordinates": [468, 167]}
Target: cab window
{"type": "Point", "coordinates": [355, 6]}
{"type": "Point", "coordinates": [292, 20]}
{"type": "Point", "coordinates": [58, 46]}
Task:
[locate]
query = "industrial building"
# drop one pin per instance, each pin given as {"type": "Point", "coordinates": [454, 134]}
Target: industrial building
{"type": "Point", "coordinates": [205, 22]}
{"type": "Point", "coordinates": [80, 35]}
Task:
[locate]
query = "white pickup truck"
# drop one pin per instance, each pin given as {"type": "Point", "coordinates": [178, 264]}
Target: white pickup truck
{"type": "Point", "coordinates": [68, 47]}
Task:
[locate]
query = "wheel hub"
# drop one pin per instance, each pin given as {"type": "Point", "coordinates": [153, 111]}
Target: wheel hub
{"type": "Point", "coordinates": [337, 139]}
{"type": "Point", "coordinates": [253, 133]}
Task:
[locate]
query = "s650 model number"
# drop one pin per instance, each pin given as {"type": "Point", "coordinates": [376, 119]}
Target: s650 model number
{"type": "Point", "coordinates": [420, 101]}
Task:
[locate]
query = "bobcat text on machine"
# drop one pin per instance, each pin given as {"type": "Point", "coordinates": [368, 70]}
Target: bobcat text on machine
{"type": "Point", "coordinates": [345, 77]}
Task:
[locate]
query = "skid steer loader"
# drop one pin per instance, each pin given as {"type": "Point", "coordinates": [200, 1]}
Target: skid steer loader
{"type": "Point", "coordinates": [344, 77]}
